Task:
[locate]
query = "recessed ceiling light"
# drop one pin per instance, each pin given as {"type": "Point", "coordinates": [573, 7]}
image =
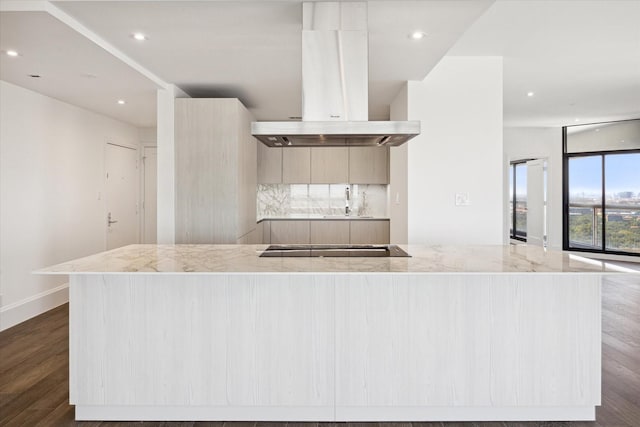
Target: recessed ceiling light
{"type": "Point", "coordinates": [12, 53]}
{"type": "Point", "coordinates": [121, 101]}
{"type": "Point", "coordinates": [577, 120]}
{"type": "Point", "coordinates": [139, 36]}
{"type": "Point", "coordinates": [417, 35]}
{"type": "Point", "coordinates": [530, 94]}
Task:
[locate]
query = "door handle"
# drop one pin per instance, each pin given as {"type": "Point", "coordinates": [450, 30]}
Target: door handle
{"type": "Point", "coordinates": [109, 221]}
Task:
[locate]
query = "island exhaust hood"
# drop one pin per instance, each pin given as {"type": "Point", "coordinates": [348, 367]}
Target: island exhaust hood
{"type": "Point", "coordinates": [335, 81]}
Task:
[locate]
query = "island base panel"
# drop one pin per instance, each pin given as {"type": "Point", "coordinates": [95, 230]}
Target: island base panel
{"type": "Point", "coordinates": [323, 347]}
{"type": "Point", "coordinates": [353, 414]}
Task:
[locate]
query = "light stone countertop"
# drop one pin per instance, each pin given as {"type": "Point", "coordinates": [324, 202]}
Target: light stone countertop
{"type": "Point", "coordinates": [168, 259]}
{"type": "Point", "coordinates": [324, 218]}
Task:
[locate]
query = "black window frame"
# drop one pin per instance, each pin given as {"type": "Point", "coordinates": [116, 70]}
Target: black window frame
{"type": "Point", "coordinates": [513, 234]}
{"type": "Point", "coordinates": [565, 196]}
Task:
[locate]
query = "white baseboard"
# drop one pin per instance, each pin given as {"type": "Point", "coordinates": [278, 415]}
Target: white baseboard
{"type": "Point", "coordinates": [464, 413]}
{"type": "Point", "coordinates": [18, 312]}
{"type": "Point", "coordinates": [326, 413]}
{"type": "Point", "coordinates": [204, 413]}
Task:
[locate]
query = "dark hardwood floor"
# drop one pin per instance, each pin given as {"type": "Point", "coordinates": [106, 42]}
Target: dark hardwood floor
{"type": "Point", "coordinates": [34, 366]}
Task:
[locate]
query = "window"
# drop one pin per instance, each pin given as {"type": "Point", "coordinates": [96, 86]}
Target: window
{"type": "Point", "coordinates": [602, 189]}
{"type": "Point", "coordinates": [622, 202]}
{"type": "Point", "coordinates": [585, 202]}
{"type": "Point", "coordinates": [518, 200]}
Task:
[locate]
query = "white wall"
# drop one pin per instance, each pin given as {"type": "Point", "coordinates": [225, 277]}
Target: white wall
{"type": "Point", "coordinates": [537, 143]}
{"type": "Point", "coordinates": [148, 136]}
{"type": "Point", "coordinates": [459, 151]}
{"type": "Point", "coordinates": [51, 203]}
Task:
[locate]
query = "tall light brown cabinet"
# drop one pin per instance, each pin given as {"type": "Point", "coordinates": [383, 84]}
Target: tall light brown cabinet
{"type": "Point", "coordinates": [216, 173]}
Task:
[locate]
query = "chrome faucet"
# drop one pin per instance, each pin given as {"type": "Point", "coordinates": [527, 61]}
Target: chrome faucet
{"type": "Point", "coordinates": [347, 209]}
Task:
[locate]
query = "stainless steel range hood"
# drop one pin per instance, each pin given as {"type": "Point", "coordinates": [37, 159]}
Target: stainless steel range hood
{"type": "Point", "coordinates": [334, 134]}
{"type": "Point", "coordinates": [334, 86]}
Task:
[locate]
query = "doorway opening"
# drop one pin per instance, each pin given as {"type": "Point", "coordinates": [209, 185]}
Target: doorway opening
{"type": "Point", "coordinates": [121, 189]}
{"type": "Point", "coordinates": [528, 201]}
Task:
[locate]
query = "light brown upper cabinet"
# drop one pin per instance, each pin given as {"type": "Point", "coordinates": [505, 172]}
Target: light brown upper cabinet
{"type": "Point", "coordinates": [368, 165]}
{"type": "Point", "coordinates": [215, 171]}
{"type": "Point", "coordinates": [323, 165]}
{"type": "Point", "coordinates": [329, 165]}
{"type": "Point", "coordinates": [269, 164]}
{"type": "Point", "coordinates": [296, 165]}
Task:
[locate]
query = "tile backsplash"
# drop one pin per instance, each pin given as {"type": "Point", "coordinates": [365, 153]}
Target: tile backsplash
{"type": "Point", "coordinates": [283, 200]}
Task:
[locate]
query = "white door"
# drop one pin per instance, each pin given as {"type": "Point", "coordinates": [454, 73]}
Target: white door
{"type": "Point", "coordinates": [121, 195]}
{"type": "Point", "coordinates": [150, 162]}
{"type": "Point", "coordinates": [536, 210]}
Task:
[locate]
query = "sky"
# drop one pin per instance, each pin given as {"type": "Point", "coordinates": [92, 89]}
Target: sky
{"type": "Point", "coordinates": [521, 179]}
{"type": "Point", "coordinates": [622, 174]}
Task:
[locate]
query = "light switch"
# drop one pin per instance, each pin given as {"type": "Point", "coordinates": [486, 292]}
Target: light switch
{"type": "Point", "coordinates": [462, 199]}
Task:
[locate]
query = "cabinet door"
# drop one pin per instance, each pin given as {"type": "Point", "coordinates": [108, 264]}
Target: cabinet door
{"type": "Point", "coordinates": [247, 176]}
{"type": "Point", "coordinates": [365, 232]}
{"type": "Point", "coordinates": [244, 240]}
{"type": "Point", "coordinates": [328, 232]}
{"type": "Point", "coordinates": [368, 165]}
{"type": "Point", "coordinates": [289, 232]}
{"type": "Point", "coordinates": [269, 164]}
{"type": "Point", "coordinates": [254, 237]}
{"type": "Point", "coordinates": [280, 348]}
{"type": "Point", "coordinates": [266, 232]}
{"type": "Point", "coordinates": [411, 341]}
{"type": "Point", "coordinates": [330, 165]}
{"type": "Point", "coordinates": [296, 165]}
{"type": "Point", "coordinates": [206, 162]}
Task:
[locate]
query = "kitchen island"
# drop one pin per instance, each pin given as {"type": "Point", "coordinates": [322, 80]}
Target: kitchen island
{"type": "Point", "coordinates": [214, 332]}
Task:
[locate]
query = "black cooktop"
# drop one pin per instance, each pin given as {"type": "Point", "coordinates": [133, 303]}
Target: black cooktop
{"type": "Point", "coordinates": [334, 251]}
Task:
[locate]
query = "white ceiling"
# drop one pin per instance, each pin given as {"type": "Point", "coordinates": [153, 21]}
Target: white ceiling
{"type": "Point", "coordinates": [72, 68]}
{"type": "Point", "coordinates": [580, 57]}
{"type": "Point", "coordinates": [252, 49]}
{"type": "Point", "coordinates": [245, 49]}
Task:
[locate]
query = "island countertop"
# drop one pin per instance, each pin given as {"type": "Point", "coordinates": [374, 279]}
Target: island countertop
{"type": "Point", "coordinates": [168, 259]}
{"type": "Point", "coordinates": [217, 333]}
